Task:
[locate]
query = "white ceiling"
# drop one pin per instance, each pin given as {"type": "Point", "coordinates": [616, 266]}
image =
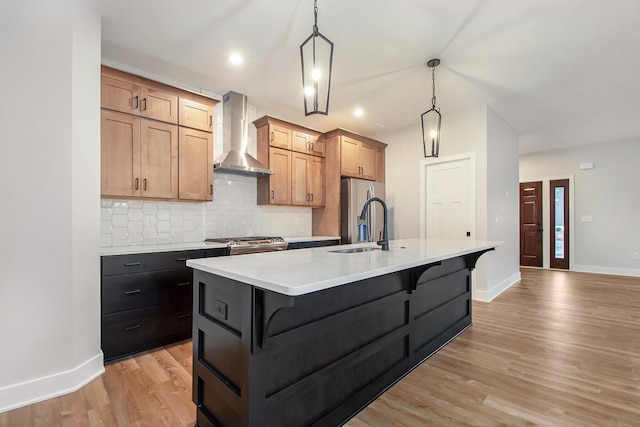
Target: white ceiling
{"type": "Point", "coordinates": [560, 72]}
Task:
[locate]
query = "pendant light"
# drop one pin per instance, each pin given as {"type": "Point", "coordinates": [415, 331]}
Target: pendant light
{"type": "Point", "coordinates": [431, 119]}
{"type": "Point", "coordinates": [316, 54]}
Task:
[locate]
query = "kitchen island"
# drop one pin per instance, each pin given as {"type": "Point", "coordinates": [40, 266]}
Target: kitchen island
{"type": "Point", "coordinates": [310, 337]}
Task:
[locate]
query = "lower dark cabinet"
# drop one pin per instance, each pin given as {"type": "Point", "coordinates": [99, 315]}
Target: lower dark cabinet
{"type": "Point", "coordinates": [313, 244]}
{"type": "Point", "coordinates": [146, 300]}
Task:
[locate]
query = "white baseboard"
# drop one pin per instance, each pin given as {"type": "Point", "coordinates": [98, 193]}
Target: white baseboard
{"type": "Point", "coordinates": [634, 272]}
{"type": "Point", "coordinates": [488, 296]}
{"type": "Point", "coordinates": [26, 393]}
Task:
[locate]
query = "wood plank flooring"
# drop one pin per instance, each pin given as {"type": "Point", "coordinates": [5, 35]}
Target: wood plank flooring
{"type": "Point", "coordinates": [557, 349]}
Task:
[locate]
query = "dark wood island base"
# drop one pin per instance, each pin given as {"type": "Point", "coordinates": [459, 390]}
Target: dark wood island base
{"type": "Point", "coordinates": [261, 358]}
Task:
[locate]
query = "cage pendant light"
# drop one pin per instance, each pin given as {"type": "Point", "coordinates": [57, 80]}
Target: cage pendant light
{"type": "Point", "coordinates": [431, 118]}
{"type": "Point", "coordinates": [316, 54]}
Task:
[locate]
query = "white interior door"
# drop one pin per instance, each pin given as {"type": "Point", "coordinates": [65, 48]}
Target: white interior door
{"type": "Point", "coordinates": [448, 198]}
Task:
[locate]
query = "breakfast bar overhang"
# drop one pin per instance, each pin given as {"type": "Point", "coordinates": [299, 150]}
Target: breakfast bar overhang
{"type": "Point", "coordinates": [310, 337]}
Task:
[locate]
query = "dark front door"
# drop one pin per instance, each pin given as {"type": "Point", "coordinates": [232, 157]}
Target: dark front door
{"type": "Point", "coordinates": [531, 224]}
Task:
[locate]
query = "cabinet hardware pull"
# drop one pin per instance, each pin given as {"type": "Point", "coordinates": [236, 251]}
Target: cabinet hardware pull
{"type": "Point", "coordinates": [131, 264]}
{"type": "Point", "coordinates": [273, 194]}
{"type": "Point", "coordinates": [182, 316]}
{"type": "Point", "coordinates": [130, 328]}
{"type": "Point", "coordinates": [272, 136]}
{"type": "Point", "coordinates": [183, 284]}
{"type": "Point", "coordinates": [308, 198]}
{"type": "Point", "coordinates": [210, 120]}
{"type": "Point", "coordinates": [311, 143]}
{"type": "Point", "coordinates": [144, 100]}
{"type": "Point", "coordinates": [182, 259]}
{"type": "Point", "coordinates": [211, 189]}
{"type": "Point", "coordinates": [131, 292]}
{"type": "Point", "coordinates": [136, 99]}
{"type": "Point", "coordinates": [144, 184]}
{"type": "Point", "coordinates": [312, 197]}
{"type": "Point", "coordinates": [137, 182]}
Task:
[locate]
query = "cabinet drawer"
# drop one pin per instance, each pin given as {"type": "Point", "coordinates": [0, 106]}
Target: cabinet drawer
{"type": "Point", "coordinates": [141, 329]}
{"type": "Point", "coordinates": [139, 263]}
{"type": "Point", "coordinates": [125, 292]}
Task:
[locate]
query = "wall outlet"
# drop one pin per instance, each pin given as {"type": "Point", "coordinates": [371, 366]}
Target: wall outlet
{"type": "Point", "coordinates": [635, 255]}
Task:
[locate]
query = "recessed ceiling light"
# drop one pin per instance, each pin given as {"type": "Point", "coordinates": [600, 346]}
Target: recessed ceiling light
{"type": "Point", "coordinates": [358, 112]}
{"type": "Point", "coordinates": [235, 58]}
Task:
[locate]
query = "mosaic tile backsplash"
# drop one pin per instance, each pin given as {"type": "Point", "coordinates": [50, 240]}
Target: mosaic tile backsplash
{"type": "Point", "coordinates": [233, 212]}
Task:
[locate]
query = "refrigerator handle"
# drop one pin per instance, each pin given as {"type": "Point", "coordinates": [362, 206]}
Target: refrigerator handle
{"type": "Point", "coordinates": [371, 215]}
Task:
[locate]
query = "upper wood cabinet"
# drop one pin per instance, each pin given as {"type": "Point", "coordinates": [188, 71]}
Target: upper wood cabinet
{"type": "Point", "coordinates": [275, 189]}
{"type": "Point", "coordinates": [195, 158]}
{"type": "Point", "coordinates": [279, 136]}
{"type": "Point", "coordinates": [120, 95]}
{"type": "Point", "coordinates": [357, 158]}
{"type": "Point", "coordinates": [299, 177]}
{"type": "Point", "coordinates": [127, 97]}
{"type": "Point", "coordinates": [307, 143]}
{"type": "Point", "coordinates": [158, 105]}
{"type": "Point", "coordinates": [196, 114]}
{"type": "Point", "coordinates": [156, 140]}
{"type": "Point", "coordinates": [307, 182]}
{"type": "Point", "coordinates": [139, 157]}
{"type": "Point", "coordinates": [119, 154]}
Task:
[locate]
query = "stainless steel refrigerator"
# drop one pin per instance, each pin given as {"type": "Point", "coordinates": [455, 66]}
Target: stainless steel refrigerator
{"type": "Point", "coordinates": [353, 193]}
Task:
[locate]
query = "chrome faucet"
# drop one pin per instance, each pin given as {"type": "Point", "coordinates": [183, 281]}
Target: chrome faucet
{"type": "Point", "coordinates": [385, 237]}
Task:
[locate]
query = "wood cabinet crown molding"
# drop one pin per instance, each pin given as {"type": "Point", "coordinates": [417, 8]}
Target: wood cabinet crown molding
{"type": "Point", "coordinates": [349, 134]}
{"type": "Point", "coordinates": [142, 81]}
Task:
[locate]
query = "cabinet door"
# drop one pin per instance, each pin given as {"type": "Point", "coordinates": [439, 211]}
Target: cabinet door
{"type": "Point", "coordinates": [300, 142]}
{"type": "Point", "coordinates": [195, 165]}
{"type": "Point", "coordinates": [195, 115]}
{"type": "Point", "coordinates": [159, 159]}
{"type": "Point", "coordinates": [368, 161]}
{"type": "Point", "coordinates": [317, 146]}
{"type": "Point", "coordinates": [119, 154]}
{"type": "Point", "coordinates": [300, 194]}
{"type": "Point", "coordinates": [280, 181]}
{"type": "Point", "coordinates": [279, 137]}
{"type": "Point", "coordinates": [349, 157]}
{"type": "Point", "coordinates": [380, 165]}
{"type": "Point", "coordinates": [119, 95]}
{"type": "Point", "coordinates": [158, 105]}
{"type": "Point", "coordinates": [316, 180]}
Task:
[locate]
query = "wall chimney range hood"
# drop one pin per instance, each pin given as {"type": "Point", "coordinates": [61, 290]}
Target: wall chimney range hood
{"type": "Point", "coordinates": [234, 157]}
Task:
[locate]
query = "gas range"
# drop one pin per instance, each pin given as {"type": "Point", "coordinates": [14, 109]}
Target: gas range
{"type": "Point", "coordinates": [249, 245]}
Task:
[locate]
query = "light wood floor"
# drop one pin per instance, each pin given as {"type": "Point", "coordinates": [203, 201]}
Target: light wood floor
{"type": "Point", "coordinates": [557, 349]}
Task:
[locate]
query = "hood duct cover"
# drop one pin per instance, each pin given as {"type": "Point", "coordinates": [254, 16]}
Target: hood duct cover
{"type": "Point", "coordinates": [235, 158]}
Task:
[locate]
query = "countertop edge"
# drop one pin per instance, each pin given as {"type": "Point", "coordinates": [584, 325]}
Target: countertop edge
{"type": "Point", "coordinates": [202, 264]}
{"type": "Point", "coordinates": [170, 247]}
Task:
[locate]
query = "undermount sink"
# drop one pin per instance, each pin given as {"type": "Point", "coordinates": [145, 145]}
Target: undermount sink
{"type": "Point", "coordinates": [355, 250]}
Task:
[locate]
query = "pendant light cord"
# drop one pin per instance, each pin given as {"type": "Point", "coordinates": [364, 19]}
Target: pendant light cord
{"type": "Point", "coordinates": [433, 88]}
{"type": "Point", "coordinates": [315, 15]}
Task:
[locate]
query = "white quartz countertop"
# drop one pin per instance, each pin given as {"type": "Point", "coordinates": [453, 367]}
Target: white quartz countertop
{"type": "Point", "coordinates": [304, 271]}
{"type": "Point", "coordinates": [140, 249]}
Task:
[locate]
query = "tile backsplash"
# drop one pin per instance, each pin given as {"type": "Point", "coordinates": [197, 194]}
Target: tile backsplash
{"type": "Point", "coordinates": [233, 212]}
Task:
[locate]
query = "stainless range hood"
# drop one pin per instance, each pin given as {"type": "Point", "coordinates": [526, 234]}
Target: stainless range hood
{"type": "Point", "coordinates": [234, 157]}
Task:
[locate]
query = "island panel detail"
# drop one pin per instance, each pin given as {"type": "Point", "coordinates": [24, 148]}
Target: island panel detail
{"type": "Point", "coordinates": [262, 358]}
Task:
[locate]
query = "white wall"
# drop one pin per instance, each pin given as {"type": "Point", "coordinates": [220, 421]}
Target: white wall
{"type": "Point", "coordinates": [503, 214]}
{"type": "Point", "coordinates": [607, 193]}
{"type": "Point", "coordinates": [482, 132]}
{"type": "Point", "coordinates": [49, 187]}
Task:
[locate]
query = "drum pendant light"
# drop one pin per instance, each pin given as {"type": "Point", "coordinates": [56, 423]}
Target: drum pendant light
{"type": "Point", "coordinates": [431, 119]}
{"type": "Point", "coordinates": [316, 54]}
